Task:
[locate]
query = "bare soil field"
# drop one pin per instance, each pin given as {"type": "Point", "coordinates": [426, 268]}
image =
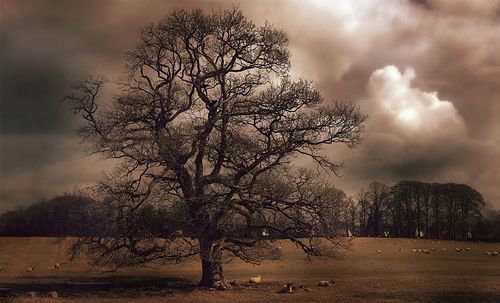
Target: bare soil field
{"type": "Point", "coordinates": [396, 274]}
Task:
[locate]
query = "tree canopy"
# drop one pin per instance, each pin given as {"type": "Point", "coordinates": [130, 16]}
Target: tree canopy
{"type": "Point", "coordinates": [207, 124]}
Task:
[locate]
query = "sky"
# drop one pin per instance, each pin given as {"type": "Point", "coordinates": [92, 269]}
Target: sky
{"type": "Point", "coordinates": [427, 73]}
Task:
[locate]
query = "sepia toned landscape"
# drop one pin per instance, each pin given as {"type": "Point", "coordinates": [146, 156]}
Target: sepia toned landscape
{"type": "Point", "coordinates": [361, 275]}
{"type": "Point", "coordinates": [253, 151]}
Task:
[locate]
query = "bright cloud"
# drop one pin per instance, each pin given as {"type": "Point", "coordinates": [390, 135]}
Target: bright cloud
{"type": "Point", "coordinates": [407, 111]}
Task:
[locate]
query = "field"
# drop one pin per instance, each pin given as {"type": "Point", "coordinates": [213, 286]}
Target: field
{"type": "Point", "coordinates": [361, 275]}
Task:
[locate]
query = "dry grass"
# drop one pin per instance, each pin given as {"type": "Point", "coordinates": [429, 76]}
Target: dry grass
{"type": "Point", "coordinates": [361, 275]}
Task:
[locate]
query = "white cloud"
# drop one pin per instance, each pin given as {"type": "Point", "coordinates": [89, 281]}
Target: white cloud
{"type": "Point", "coordinates": [406, 111]}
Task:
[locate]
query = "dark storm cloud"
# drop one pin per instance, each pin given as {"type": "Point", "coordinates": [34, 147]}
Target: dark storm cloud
{"type": "Point", "coordinates": [444, 51]}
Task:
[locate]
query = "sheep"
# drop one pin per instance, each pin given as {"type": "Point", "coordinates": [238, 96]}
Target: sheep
{"type": "Point", "coordinates": [32, 294]}
{"type": "Point", "coordinates": [324, 283]}
{"type": "Point", "coordinates": [467, 249]}
{"type": "Point", "coordinates": [286, 289]}
{"type": "Point", "coordinates": [495, 253]}
{"type": "Point", "coordinates": [255, 279]}
{"type": "Point", "coordinates": [487, 253]}
{"type": "Point", "coordinates": [379, 251]}
{"type": "Point", "coordinates": [53, 294]}
{"type": "Point", "coordinates": [433, 249]}
{"type": "Point", "coordinates": [30, 269]}
{"type": "Point", "coordinates": [414, 250]}
{"type": "Point", "coordinates": [419, 250]}
{"type": "Point", "coordinates": [443, 249]}
{"type": "Point", "coordinates": [59, 265]}
{"type": "Point", "coordinates": [458, 249]}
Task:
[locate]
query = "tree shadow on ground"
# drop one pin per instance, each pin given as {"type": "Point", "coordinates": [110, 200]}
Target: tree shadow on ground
{"type": "Point", "coordinates": [110, 286]}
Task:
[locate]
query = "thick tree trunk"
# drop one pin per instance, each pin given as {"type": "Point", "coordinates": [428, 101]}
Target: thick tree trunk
{"type": "Point", "coordinates": [211, 264]}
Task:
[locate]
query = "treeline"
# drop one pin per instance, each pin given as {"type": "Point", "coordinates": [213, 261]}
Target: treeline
{"type": "Point", "coordinates": [424, 210]}
{"type": "Point", "coordinates": [63, 215]}
{"type": "Point", "coordinates": [79, 215]}
{"type": "Point", "coordinates": [406, 209]}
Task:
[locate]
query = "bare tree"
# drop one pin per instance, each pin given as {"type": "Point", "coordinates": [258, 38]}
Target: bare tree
{"type": "Point", "coordinates": [206, 125]}
{"type": "Point", "coordinates": [378, 195]}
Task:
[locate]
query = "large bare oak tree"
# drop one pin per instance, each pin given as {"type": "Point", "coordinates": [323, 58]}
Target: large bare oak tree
{"type": "Point", "coordinates": [206, 126]}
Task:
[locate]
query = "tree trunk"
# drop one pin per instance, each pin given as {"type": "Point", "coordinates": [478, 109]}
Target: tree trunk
{"type": "Point", "coordinates": [211, 264]}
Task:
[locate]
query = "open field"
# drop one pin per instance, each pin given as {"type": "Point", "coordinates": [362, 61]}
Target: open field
{"type": "Point", "coordinates": [361, 275]}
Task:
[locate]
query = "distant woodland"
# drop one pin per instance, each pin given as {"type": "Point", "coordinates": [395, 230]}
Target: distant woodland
{"type": "Point", "coordinates": [407, 209]}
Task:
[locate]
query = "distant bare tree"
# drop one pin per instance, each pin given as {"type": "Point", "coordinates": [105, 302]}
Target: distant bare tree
{"type": "Point", "coordinates": [377, 195]}
{"type": "Point", "coordinates": [206, 126]}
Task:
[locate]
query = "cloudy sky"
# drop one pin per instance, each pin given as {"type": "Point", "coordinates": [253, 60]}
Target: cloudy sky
{"type": "Point", "coordinates": [426, 72]}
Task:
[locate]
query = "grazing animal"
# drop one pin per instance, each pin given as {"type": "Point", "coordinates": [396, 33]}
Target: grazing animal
{"type": "Point", "coordinates": [30, 269]}
{"type": "Point", "coordinates": [53, 294]}
{"type": "Point", "coordinates": [487, 253]}
{"type": "Point", "coordinates": [286, 289]}
{"type": "Point", "coordinates": [467, 249]}
{"type": "Point", "coordinates": [324, 283]}
{"type": "Point", "coordinates": [379, 251]}
{"type": "Point", "coordinates": [419, 250]}
{"type": "Point", "coordinates": [414, 250]}
{"type": "Point", "coordinates": [444, 249]}
{"type": "Point", "coordinates": [495, 253]}
{"type": "Point", "coordinates": [255, 279]}
{"type": "Point", "coordinates": [458, 249]}
{"type": "Point", "coordinates": [32, 294]}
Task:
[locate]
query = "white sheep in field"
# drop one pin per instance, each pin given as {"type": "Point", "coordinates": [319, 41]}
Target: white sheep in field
{"type": "Point", "coordinates": [487, 253]}
{"type": "Point", "coordinates": [53, 294]}
{"type": "Point", "coordinates": [467, 249]}
{"type": "Point", "coordinates": [324, 283]}
{"type": "Point", "coordinates": [495, 253]}
{"type": "Point", "coordinates": [30, 269]}
{"type": "Point", "coordinates": [458, 249]}
{"type": "Point", "coordinates": [32, 294]}
{"type": "Point", "coordinates": [444, 249]}
{"type": "Point", "coordinates": [379, 251]}
{"type": "Point", "coordinates": [414, 250]}
{"type": "Point", "coordinates": [286, 289]}
{"type": "Point", "coordinates": [255, 279]}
